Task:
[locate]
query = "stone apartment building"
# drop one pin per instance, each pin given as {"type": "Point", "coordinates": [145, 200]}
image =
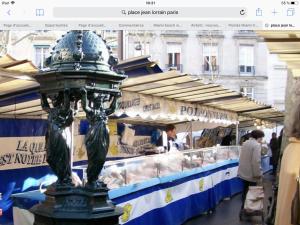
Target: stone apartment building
{"type": "Point", "coordinates": [238, 60]}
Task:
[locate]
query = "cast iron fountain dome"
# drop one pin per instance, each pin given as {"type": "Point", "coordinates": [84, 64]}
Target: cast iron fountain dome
{"type": "Point", "coordinates": [80, 58]}
{"type": "Point", "coordinates": [80, 69]}
{"type": "Point", "coordinates": [84, 46]}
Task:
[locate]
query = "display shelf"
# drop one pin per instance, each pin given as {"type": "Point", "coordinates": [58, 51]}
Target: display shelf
{"type": "Point", "coordinates": [135, 170]}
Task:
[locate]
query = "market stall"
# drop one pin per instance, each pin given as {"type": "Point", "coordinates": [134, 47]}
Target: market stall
{"type": "Point", "coordinates": [159, 99]}
{"type": "Point", "coordinates": [161, 186]}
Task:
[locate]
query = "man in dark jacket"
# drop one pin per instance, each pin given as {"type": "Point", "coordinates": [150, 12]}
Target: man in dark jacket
{"type": "Point", "coordinates": [274, 145]}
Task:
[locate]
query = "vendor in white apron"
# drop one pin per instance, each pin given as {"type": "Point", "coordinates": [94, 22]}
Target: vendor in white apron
{"type": "Point", "coordinates": [167, 139]}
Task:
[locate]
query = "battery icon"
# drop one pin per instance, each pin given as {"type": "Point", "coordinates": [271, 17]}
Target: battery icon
{"type": "Point", "coordinates": [294, 2]}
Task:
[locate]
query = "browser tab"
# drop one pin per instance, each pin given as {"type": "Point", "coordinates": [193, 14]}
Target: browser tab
{"type": "Point", "coordinates": [265, 13]}
{"type": "Point", "coordinates": [149, 112]}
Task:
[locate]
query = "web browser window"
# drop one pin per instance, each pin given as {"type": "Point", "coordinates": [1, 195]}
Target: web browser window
{"type": "Point", "coordinates": [197, 77]}
{"type": "Point", "coordinates": [210, 39]}
{"type": "Point", "coordinates": [151, 15]}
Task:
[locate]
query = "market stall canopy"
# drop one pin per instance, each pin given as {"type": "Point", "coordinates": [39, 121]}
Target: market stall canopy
{"type": "Point", "coordinates": [287, 45]}
{"type": "Point", "coordinates": [16, 76]}
{"type": "Point", "coordinates": [182, 97]}
{"type": "Point", "coordinates": [138, 66]}
{"type": "Point", "coordinates": [191, 89]}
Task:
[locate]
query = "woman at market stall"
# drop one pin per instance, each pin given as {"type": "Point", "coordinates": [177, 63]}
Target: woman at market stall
{"type": "Point", "coordinates": [250, 162]}
{"type": "Point", "coordinates": [289, 171]}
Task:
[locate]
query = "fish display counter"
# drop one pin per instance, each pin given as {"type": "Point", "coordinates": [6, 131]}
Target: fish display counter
{"type": "Point", "coordinates": [172, 187]}
{"type": "Point", "coordinates": [124, 172]}
{"type": "Point", "coordinates": [167, 188]}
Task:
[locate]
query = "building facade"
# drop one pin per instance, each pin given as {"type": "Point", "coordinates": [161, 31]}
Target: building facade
{"type": "Point", "coordinates": [238, 60]}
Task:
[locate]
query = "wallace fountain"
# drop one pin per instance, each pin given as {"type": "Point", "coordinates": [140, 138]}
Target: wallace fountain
{"type": "Point", "coordinates": [80, 70]}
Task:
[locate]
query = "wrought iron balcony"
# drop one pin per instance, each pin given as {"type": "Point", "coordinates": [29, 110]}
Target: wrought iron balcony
{"type": "Point", "coordinates": [174, 33]}
{"type": "Point", "coordinates": [177, 67]}
{"type": "Point", "coordinates": [210, 69]}
{"type": "Point", "coordinates": [211, 33]}
{"type": "Point", "coordinates": [245, 34]}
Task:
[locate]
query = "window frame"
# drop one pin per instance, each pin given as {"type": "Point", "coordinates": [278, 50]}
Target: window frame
{"type": "Point", "coordinates": [174, 58]}
{"type": "Point", "coordinates": [210, 57]}
{"type": "Point", "coordinates": [246, 68]}
{"type": "Point", "coordinates": [245, 92]}
{"type": "Point", "coordinates": [42, 59]}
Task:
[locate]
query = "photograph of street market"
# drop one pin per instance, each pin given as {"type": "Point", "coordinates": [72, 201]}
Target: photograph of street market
{"type": "Point", "coordinates": [148, 127]}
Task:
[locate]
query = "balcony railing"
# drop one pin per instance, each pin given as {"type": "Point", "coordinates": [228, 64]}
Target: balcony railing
{"type": "Point", "coordinates": [211, 69]}
{"type": "Point", "coordinates": [177, 67]}
{"type": "Point", "coordinates": [246, 70]}
{"type": "Point", "coordinates": [245, 33]}
{"type": "Point", "coordinates": [174, 33]}
{"type": "Point", "coordinates": [215, 33]}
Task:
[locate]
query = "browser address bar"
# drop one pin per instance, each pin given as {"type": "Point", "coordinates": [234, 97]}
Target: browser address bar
{"type": "Point", "coordinates": [146, 12]}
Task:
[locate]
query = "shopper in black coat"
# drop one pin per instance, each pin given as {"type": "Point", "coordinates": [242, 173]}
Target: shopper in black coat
{"type": "Point", "coordinates": [274, 145]}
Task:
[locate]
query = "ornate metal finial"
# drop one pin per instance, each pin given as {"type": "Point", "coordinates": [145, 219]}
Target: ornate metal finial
{"type": "Point", "coordinates": [78, 54]}
{"type": "Point", "coordinates": [113, 61]}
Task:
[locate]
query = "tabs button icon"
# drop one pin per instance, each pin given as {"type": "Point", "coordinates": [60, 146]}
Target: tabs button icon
{"type": "Point", "coordinates": [290, 12]}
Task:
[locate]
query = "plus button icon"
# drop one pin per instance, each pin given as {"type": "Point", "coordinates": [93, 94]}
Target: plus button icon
{"type": "Point", "coordinates": [274, 12]}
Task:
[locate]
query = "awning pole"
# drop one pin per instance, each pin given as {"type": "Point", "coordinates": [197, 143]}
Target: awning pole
{"type": "Point", "coordinates": [72, 145]}
{"type": "Point", "coordinates": [192, 141]}
{"type": "Point", "coordinates": [237, 133]}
